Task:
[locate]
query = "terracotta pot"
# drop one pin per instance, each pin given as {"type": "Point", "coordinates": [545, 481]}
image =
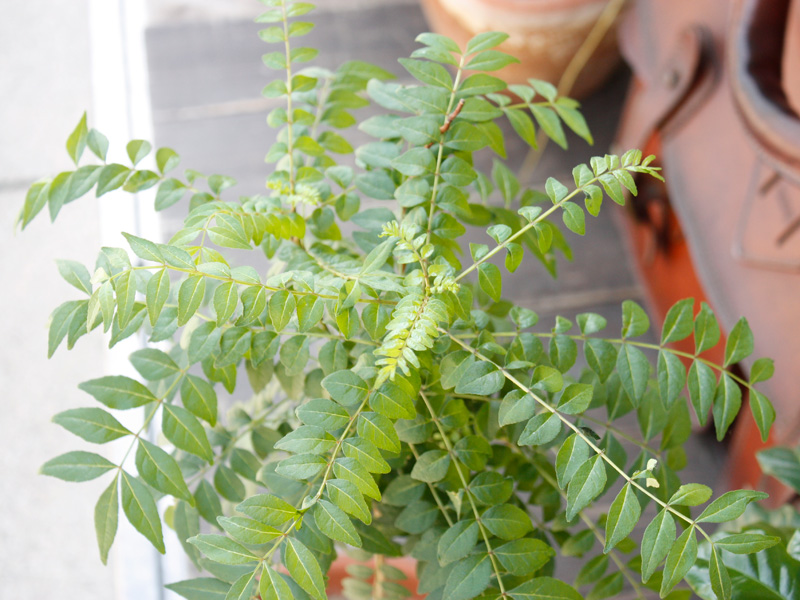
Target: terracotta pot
{"type": "Point", "coordinates": [338, 572]}
{"type": "Point", "coordinates": [544, 35]}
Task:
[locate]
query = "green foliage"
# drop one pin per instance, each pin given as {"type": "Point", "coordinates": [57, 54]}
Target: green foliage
{"type": "Point", "coordinates": [400, 404]}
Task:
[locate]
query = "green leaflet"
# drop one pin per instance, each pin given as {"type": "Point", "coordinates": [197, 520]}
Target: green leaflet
{"type": "Point", "coordinates": [727, 402]}
{"type": "Point", "coordinates": [544, 588]}
{"type": "Point", "coordinates": [190, 295]}
{"type": "Point", "coordinates": [222, 549]}
{"type": "Point", "coordinates": [634, 371]}
{"type": "Point", "coordinates": [468, 578]}
{"type": "Point", "coordinates": [346, 388]}
{"type": "Point", "coordinates": [77, 466]}
{"type": "Point", "coordinates": [622, 517]}
{"type": "Point", "coordinates": [273, 586]}
{"type": "Point", "coordinates": [585, 485]}
{"type": "Point", "coordinates": [106, 515]}
{"type": "Point", "coordinates": [458, 541]}
{"type": "Point", "coordinates": [680, 559]}
{"type": "Point", "coordinates": [268, 509]}
{"type": "Point", "coordinates": [691, 494]}
{"type": "Point", "coordinates": [431, 466]}
{"type": "Point", "coordinates": [303, 568]}
{"type": "Point", "coordinates": [202, 588]}
{"type": "Point", "coordinates": [161, 471]}
{"type": "Point", "coordinates": [379, 430]}
{"type": "Point", "coordinates": [92, 424]}
{"type": "Point", "coordinates": [729, 506]}
{"type": "Point", "coordinates": [739, 344]}
{"type": "Point", "coordinates": [572, 454]}
{"type": "Point", "coordinates": [140, 508]}
{"type": "Point", "coordinates": [656, 543]}
{"type": "Point", "coordinates": [248, 531]}
{"type": "Point", "coordinates": [507, 521]}
{"type": "Point", "coordinates": [333, 522]}
{"type": "Point", "coordinates": [118, 392]}
{"type": "Point", "coordinates": [524, 556]}
{"type": "Point", "coordinates": [679, 322]}
{"type": "Point", "coordinates": [346, 496]}
{"type": "Point", "coordinates": [184, 430]}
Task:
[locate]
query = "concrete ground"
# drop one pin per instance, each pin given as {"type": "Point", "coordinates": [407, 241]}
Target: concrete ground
{"type": "Point", "coordinates": [205, 77]}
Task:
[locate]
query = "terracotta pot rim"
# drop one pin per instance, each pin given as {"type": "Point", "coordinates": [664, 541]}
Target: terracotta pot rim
{"type": "Point", "coordinates": [531, 6]}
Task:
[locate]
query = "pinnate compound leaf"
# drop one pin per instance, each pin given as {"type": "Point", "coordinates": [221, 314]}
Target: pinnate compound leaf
{"type": "Point", "coordinates": [77, 466]}
{"type": "Point", "coordinates": [680, 559]}
{"type": "Point", "coordinates": [729, 506]}
{"type": "Point", "coordinates": [140, 508]}
{"type": "Point", "coordinates": [622, 517]}
{"type": "Point", "coordinates": [304, 568]}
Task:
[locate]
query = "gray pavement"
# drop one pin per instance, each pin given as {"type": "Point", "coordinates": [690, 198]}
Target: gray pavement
{"type": "Point", "coordinates": [47, 541]}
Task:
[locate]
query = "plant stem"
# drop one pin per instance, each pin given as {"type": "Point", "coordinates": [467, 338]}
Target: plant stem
{"type": "Point", "coordinates": [467, 493]}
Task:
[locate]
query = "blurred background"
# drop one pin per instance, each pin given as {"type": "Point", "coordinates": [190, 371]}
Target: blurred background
{"type": "Point", "coordinates": [187, 74]}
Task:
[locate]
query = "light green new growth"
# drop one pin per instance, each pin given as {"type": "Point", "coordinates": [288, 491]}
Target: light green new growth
{"type": "Point", "coordinates": [400, 404]}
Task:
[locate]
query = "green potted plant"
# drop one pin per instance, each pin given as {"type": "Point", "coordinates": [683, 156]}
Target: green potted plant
{"type": "Point", "coordinates": [400, 406]}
